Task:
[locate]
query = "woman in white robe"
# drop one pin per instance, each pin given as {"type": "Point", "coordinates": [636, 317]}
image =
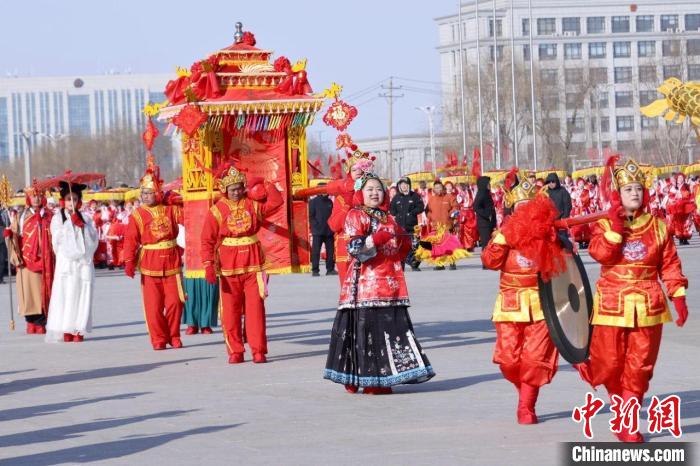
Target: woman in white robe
{"type": "Point", "coordinates": [74, 239]}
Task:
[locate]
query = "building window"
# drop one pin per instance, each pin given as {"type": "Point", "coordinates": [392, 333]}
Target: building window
{"type": "Point", "coordinates": [669, 23]}
{"type": "Point", "coordinates": [693, 47]}
{"type": "Point", "coordinates": [572, 51]}
{"type": "Point", "coordinates": [625, 123]}
{"type": "Point", "coordinates": [649, 123]}
{"type": "Point", "coordinates": [620, 24]}
{"type": "Point", "coordinates": [622, 49]}
{"type": "Point", "coordinates": [692, 22]}
{"type": "Point", "coordinates": [604, 125]}
{"type": "Point", "coordinates": [79, 114]}
{"type": "Point", "coordinates": [573, 76]}
{"type": "Point", "coordinates": [576, 125]}
{"type": "Point", "coordinates": [595, 24]}
{"type": "Point", "coordinates": [4, 130]}
{"type": "Point", "coordinates": [499, 27]}
{"type": "Point", "coordinates": [596, 50]}
{"type": "Point", "coordinates": [526, 52]}
{"type": "Point", "coordinates": [546, 26]}
{"type": "Point", "coordinates": [623, 74]}
{"type": "Point", "coordinates": [645, 23]}
{"type": "Point", "coordinates": [646, 97]}
{"type": "Point", "coordinates": [526, 26]}
{"type": "Point", "coordinates": [672, 71]}
{"type": "Point", "coordinates": [573, 100]}
{"type": "Point", "coordinates": [602, 99]}
{"type": "Point", "coordinates": [548, 51]}
{"type": "Point", "coordinates": [571, 25]}
{"type": "Point", "coordinates": [550, 100]}
{"type": "Point", "coordinates": [646, 48]}
{"type": "Point", "coordinates": [671, 48]}
{"type": "Point", "coordinates": [647, 74]}
{"type": "Point", "coordinates": [623, 99]}
{"type": "Point", "coordinates": [694, 72]}
{"type": "Point", "coordinates": [598, 75]}
{"type": "Point", "coordinates": [499, 51]}
{"type": "Point", "coordinates": [549, 76]}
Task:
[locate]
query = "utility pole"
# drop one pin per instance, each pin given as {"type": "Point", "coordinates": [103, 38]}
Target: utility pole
{"type": "Point", "coordinates": [390, 96]}
{"type": "Point", "coordinates": [429, 110]}
{"type": "Point", "coordinates": [461, 82]}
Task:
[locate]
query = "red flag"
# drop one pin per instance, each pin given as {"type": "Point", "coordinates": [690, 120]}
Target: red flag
{"type": "Point", "coordinates": [476, 162]}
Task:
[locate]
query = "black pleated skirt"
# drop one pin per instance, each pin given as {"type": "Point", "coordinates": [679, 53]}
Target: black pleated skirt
{"type": "Point", "coordinates": [375, 347]}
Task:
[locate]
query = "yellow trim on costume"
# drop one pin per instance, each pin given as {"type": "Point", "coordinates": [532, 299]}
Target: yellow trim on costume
{"type": "Point", "coordinates": [240, 241]}
{"type": "Point", "coordinates": [530, 308]}
{"type": "Point", "coordinates": [159, 246]}
{"type": "Point", "coordinates": [139, 220]}
{"type": "Point", "coordinates": [261, 285]}
{"type": "Point", "coordinates": [679, 292]}
{"type": "Point", "coordinates": [628, 305]}
{"type": "Point", "coordinates": [159, 273]}
{"type": "Point", "coordinates": [217, 214]}
{"type": "Point", "coordinates": [242, 270]}
{"type": "Point", "coordinates": [180, 290]}
{"type": "Point", "coordinates": [639, 221]}
{"type": "Point", "coordinates": [195, 274]}
{"type": "Point", "coordinates": [613, 237]}
{"type": "Point", "coordinates": [499, 239]}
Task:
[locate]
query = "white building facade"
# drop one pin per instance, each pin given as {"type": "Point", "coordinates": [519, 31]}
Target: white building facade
{"type": "Point", "coordinates": [628, 47]}
{"type": "Point", "coordinates": [34, 110]}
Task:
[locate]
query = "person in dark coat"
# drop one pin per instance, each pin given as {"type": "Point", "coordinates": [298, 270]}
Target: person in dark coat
{"type": "Point", "coordinates": [559, 195]}
{"type": "Point", "coordinates": [320, 208]}
{"type": "Point", "coordinates": [484, 210]}
{"type": "Point", "coordinates": [405, 207]}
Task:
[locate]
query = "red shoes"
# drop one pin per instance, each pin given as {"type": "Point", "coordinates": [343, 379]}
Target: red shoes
{"type": "Point", "coordinates": [206, 331]}
{"type": "Point", "coordinates": [235, 358]}
{"type": "Point", "coordinates": [259, 358]}
{"type": "Point", "coordinates": [192, 330]}
{"type": "Point", "coordinates": [377, 391]}
{"type": "Point", "coordinates": [351, 388]}
{"type": "Point", "coordinates": [77, 338]}
{"type": "Point", "coordinates": [176, 343]}
{"type": "Point", "coordinates": [31, 328]}
{"type": "Point", "coordinates": [40, 329]}
{"type": "Point", "coordinates": [159, 346]}
{"type": "Point", "coordinates": [526, 404]}
{"type": "Point", "coordinates": [67, 337]}
{"type": "Point", "coordinates": [625, 435]}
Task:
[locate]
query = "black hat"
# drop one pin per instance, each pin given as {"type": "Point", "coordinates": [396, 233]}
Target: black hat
{"type": "Point", "coordinates": [552, 178]}
{"type": "Point", "coordinates": [76, 188]}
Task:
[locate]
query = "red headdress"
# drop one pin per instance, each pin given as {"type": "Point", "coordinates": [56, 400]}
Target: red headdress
{"type": "Point", "coordinates": [34, 190]}
{"type": "Point", "coordinates": [151, 178]}
{"type": "Point", "coordinates": [358, 198]}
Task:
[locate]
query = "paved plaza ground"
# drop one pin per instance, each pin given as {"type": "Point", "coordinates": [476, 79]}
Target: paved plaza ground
{"type": "Point", "coordinates": [112, 400]}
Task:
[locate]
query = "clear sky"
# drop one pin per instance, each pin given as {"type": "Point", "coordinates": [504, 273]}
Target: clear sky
{"type": "Point", "coordinates": [356, 43]}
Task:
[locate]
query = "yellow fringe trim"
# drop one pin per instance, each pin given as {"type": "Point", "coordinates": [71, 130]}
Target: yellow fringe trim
{"type": "Point", "coordinates": [426, 256]}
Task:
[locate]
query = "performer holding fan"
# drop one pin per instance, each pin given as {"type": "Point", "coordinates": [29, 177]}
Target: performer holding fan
{"type": "Point", "coordinates": [635, 250]}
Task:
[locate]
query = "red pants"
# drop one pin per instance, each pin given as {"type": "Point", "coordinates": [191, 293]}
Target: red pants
{"type": "Point", "coordinates": [242, 294]}
{"type": "Point", "coordinates": [162, 293]}
{"type": "Point", "coordinates": [525, 352]}
{"type": "Point", "coordinates": [624, 358]}
{"type": "Point", "coordinates": [342, 268]}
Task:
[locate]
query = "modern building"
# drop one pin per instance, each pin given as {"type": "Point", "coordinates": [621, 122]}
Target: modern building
{"type": "Point", "coordinates": [621, 50]}
{"type": "Point", "coordinates": [35, 110]}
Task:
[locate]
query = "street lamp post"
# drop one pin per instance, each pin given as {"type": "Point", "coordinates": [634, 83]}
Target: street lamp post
{"type": "Point", "coordinates": [27, 136]}
{"type": "Point", "coordinates": [429, 110]}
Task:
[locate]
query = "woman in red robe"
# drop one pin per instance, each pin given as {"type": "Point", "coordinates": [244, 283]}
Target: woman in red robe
{"type": "Point", "coordinates": [373, 345]}
{"type": "Point", "coordinates": [636, 252]}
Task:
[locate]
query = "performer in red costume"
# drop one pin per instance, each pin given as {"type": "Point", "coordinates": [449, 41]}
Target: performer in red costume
{"type": "Point", "coordinates": [524, 351]}
{"type": "Point", "coordinates": [635, 250]}
{"type": "Point", "coordinates": [231, 248]}
{"type": "Point", "coordinates": [150, 246]}
{"type": "Point", "coordinates": [468, 233]}
{"type": "Point", "coordinates": [29, 238]}
{"type": "Point", "coordinates": [358, 164]}
{"type": "Point", "coordinates": [680, 209]}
